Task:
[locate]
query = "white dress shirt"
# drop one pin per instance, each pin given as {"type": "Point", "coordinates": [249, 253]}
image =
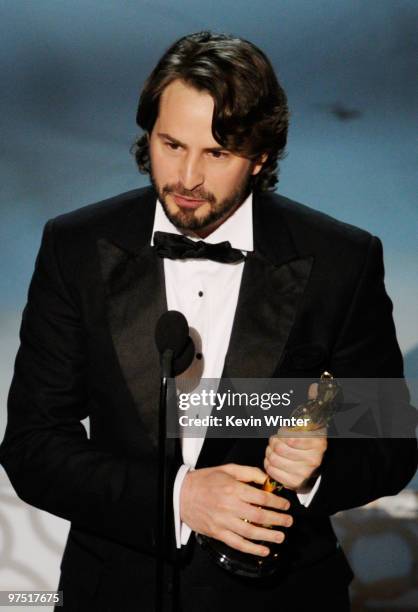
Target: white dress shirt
{"type": "Point", "coordinates": [206, 292]}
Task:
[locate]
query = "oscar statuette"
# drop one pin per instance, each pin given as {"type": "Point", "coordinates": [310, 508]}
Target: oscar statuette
{"type": "Point", "coordinates": [318, 412]}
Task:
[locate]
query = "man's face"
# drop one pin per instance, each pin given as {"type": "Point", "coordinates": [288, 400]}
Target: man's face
{"type": "Point", "coordinates": [198, 182]}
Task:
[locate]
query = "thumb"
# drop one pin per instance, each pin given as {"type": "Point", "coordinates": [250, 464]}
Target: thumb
{"type": "Point", "coordinates": [313, 391]}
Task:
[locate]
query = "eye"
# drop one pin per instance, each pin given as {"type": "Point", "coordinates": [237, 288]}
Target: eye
{"type": "Point", "coordinates": [173, 146]}
{"type": "Point", "coordinates": [219, 154]}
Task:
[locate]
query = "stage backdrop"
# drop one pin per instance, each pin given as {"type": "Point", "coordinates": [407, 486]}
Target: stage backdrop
{"type": "Point", "coordinates": [71, 75]}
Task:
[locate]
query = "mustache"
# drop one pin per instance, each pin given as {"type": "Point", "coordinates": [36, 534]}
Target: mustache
{"type": "Point", "coordinates": [196, 193]}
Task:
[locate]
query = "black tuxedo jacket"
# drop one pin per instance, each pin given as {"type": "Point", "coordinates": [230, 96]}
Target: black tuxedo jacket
{"type": "Point", "coordinates": [312, 298]}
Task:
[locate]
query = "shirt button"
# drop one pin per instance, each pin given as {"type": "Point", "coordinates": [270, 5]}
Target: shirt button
{"type": "Point", "coordinates": [199, 355]}
{"type": "Point", "coordinates": [200, 294]}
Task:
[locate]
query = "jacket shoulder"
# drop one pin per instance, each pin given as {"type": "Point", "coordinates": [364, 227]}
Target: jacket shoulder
{"type": "Point", "coordinates": [316, 232]}
{"type": "Point", "coordinates": [125, 219]}
{"type": "Point", "coordinates": [103, 214]}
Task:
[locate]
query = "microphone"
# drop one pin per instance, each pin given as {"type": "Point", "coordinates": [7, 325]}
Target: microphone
{"type": "Point", "coordinates": [177, 351]}
{"type": "Point", "coordinates": [174, 344]}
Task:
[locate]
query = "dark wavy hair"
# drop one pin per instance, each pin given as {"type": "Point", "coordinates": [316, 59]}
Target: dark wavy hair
{"type": "Point", "coordinates": [250, 107]}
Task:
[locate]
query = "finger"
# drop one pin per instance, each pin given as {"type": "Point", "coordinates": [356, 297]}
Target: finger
{"type": "Point", "coordinates": [254, 532]}
{"type": "Point", "coordinates": [311, 456]}
{"type": "Point", "coordinates": [281, 449]}
{"type": "Point", "coordinates": [258, 497]}
{"type": "Point", "coordinates": [239, 543]}
{"type": "Point", "coordinates": [289, 467]}
{"type": "Point", "coordinates": [290, 479]}
{"type": "Point", "coordinates": [263, 517]}
{"type": "Point", "coordinates": [244, 473]}
{"type": "Point", "coordinates": [306, 443]}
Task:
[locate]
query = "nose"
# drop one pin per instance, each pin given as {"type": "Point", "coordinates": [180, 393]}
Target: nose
{"type": "Point", "coordinates": [191, 172]}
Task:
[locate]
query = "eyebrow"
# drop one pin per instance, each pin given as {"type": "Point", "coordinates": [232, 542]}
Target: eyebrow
{"type": "Point", "coordinates": [178, 142]}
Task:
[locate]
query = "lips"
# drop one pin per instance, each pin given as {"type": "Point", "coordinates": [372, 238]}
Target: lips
{"type": "Point", "coordinates": [187, 202]}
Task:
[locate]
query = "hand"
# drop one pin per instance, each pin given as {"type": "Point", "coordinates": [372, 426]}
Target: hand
{"type": "Point", "coordinates": [214, 501]}
{"type": "Point", "coordinates": [294, 461]}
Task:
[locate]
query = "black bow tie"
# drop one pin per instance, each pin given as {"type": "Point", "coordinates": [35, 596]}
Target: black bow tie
{"type": "Point", "coordinates": [176, 246]}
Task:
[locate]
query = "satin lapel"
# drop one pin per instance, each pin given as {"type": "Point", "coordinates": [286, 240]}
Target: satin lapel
{"type": "Point", "coordinates": [266, 310]}
{"type": "Point", "coordinates": [135, 299]}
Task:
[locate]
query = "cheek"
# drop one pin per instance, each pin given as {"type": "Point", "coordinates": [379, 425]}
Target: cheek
{"type": "Point", "coordinates": [229, 177]}
{"type": "Point", "coordinates": [162, 168]}
{"type": "Point", "coordinates": [241, 172]}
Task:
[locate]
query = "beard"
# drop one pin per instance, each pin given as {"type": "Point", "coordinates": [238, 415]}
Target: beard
{"type": "Point", "coordinates": [218, 210]}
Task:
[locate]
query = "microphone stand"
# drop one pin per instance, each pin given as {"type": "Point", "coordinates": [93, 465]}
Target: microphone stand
{"type": "Point", "coordinates": [166, 371]}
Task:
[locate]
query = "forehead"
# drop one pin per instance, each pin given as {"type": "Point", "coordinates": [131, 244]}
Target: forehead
{"type": "Point", "coordinates": [186, 113]}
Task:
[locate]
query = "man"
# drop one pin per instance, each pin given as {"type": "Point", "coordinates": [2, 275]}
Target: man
{"type": "Point", "coordinates": [308, 296]}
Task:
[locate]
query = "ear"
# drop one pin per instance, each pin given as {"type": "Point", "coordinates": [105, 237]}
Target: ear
{"type": "Point", "coordinates": [259, 164]}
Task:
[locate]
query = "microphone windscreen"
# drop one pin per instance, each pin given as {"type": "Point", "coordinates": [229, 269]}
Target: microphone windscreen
{"type": "Point", "coordinates": [184, 360]}
{"type": "Point", "coordinates": [172, 332]}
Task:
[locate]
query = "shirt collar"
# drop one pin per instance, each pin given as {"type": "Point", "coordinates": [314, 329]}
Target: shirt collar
{"type": "Point", "coordinates": [237, 229]}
